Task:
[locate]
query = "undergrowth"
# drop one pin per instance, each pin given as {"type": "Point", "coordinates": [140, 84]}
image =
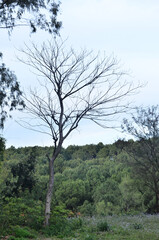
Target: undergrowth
{"type": "Point", "coordinates": [143, 227]}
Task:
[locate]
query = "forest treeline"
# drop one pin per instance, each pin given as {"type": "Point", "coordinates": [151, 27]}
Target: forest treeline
{"type": "Point", "coordinates": [91, 180]}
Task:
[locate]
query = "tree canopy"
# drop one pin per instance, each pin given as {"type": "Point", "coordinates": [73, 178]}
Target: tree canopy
{"type": "Point", "coordinates": [10, 93]}
{"type": "Point", "coordinates": [36, 14]}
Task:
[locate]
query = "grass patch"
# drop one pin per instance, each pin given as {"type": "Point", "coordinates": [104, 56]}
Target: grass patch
{"type": "Point", "coordinates": [143, 227]}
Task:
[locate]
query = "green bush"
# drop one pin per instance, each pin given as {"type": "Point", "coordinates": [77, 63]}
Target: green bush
{"type": "Point", "coordinates": [23, 212]}
{"type": "Point", "coordinates": [60, 211]}
{"type": "Point", "coordinates": [103, 226]}
{"type": "Point", "coordinates": [137, 226]}
{"type": "Point", "coordinates": [20, 232]}
{"type": "Point", "coordinates": [89, 237]}
{"type": "Point", "coordinates": [60, 226]}
{"type": "Point", "coordinates": [76, 223]}
{"type": "Point", "coordinates": [87, 209]}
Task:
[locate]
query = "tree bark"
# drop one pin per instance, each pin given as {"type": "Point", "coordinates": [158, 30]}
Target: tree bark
{"type": "Point", "coordinates": [49, 192]}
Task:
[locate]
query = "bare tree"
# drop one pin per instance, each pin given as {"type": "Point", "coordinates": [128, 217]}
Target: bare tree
{"type": "Point", "coordinates": [75, 86]}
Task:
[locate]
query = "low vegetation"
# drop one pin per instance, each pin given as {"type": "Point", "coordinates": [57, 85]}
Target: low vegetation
{"type": "Point", "coordinates": [97, 194]}
{"type": "Point", "coordinates": [85, 228]}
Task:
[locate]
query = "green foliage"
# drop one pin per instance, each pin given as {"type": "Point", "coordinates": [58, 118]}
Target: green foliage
{"type": "Point", "coordinates": [106, 197]}
{"type": "Point", "coordinates": [87, 209]}
{"type": "Point", "coordinates": [10, 93]}
{"type": "Point", "coordinates": [60, 211]}
{"type": "Point", "coordinates": [98, 186]}
{"type": "Point", "coordinates": [2, 148]}
{"type": "Point", "coordinates": [76, 223]}
{"type": "Point", "coordinates": [60, 226]}
{"type": "Point", "coordinates": [24, 171]}
{"type": "Point", "coordinates": [89, 236]}
{"type": "Point", "coordinates": [101, 208]}
{"type": "Point", "coordinates": [11, 15]}
{"type": "Point", "coordinates": [72, 193]}
{"type": "Point", "coordinates": [21, 211]}
{"type": "Point", "coordinates": [20, 232]}
{"type": "Point", "coordinates": [21, 176]}
{"type": "Point", "coordinates": [137, 226]}
{"type": "Point", "coordinates": [103, 226]}
{"type": "Point", "coordinates": [131, 199]}
{"type": "Point", "coordinates": [144, 161]}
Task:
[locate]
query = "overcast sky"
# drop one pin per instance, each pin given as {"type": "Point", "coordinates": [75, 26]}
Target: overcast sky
{"type": "Point", "coordinates": [127, 29]}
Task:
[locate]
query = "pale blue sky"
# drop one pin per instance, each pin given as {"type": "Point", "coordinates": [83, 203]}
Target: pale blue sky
{"type": "Point", "coordinates": [128, 29]}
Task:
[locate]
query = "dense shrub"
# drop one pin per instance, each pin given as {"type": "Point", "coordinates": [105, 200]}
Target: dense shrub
{"type": "Point", "coordinates": [137, 226]}
{"type": "Point", "coordinates": [19, 211]}
{"type": "Point", "coordinates": [60, 226]}
{"type": "Point", "coordinates": [103, 226]}
{"type": "Point", "coordinates": [20, 232]}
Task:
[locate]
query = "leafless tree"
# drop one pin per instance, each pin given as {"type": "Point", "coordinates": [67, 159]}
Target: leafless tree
{"type": "Point", "coordinates": [75, 86]}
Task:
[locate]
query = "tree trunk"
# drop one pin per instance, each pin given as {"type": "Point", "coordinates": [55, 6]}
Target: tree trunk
{"type": "Point", "coordinates": [49, 192]}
